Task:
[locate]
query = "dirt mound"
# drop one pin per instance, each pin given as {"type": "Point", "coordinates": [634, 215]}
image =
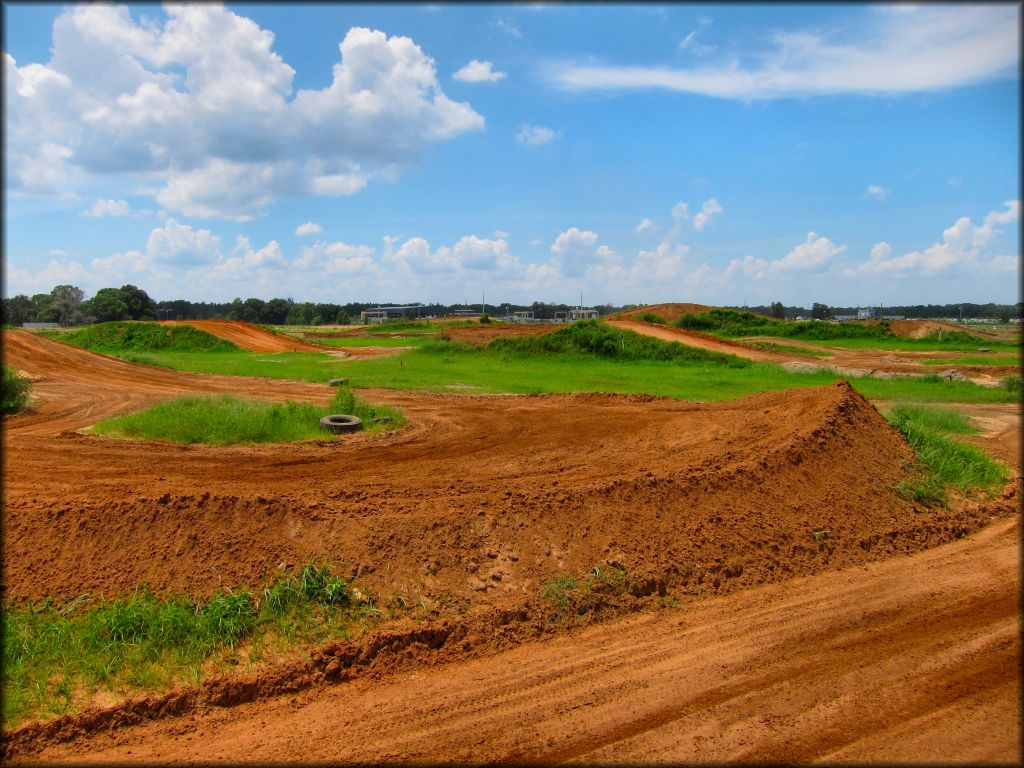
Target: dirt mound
{"type": "Point", "coordinates": [482, 334]}
{"type": "Point", "coordinates": [671, 311]}
{"type": "Point", "coordinates": [249, 336]}
{"type": "Point", "coordinates": [918, 329]}
{"type": "Point", "coordinates": [480, 496]}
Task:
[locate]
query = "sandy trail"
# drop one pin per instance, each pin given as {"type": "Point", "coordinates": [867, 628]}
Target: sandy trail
{"type": "Point", "coordinates": [909, 660]}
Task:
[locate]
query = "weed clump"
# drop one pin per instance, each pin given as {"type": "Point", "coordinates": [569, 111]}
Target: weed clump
{"type": "Point", "coordinates": [15, 394]}
{"type": "Point", "coordinates": [120, 337]}
{"type": "Point", "coordinates": [51, 653]}
{"type": "Point", "coordinates": [943, 463]}
{"type": "Point", "coordinates": [597, 339]}
{"type": "Point", "coordinates": [228, 420]}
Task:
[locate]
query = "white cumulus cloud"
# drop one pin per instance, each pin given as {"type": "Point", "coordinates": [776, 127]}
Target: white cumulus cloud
{"type": "Point", "coordinates": [535, 135]}
{"type": "Point", "coordinates": [107, 207]}
{"type": "Point", "coordinates": [202, 104]}
{"type": "Point", "coordinates": [708, 210]}
{"type": "Point", "coordinates": [876, 192]}
{"type": "Point", "coordinates": [645, 225]}
{"type": "Point", "coordinates": [479, 72]}
{"type": "Point", "coordinates": [309, 228]}
{"type": "Point", "coordinates": [965, 244]}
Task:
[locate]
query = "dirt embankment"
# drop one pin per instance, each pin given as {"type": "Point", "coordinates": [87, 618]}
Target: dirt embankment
{"type": "Point", "coordinates": [249, 336]}
{"type": "Point", "coordinates": [909, 660]}
{"type": "Point", "coordinates": [671, 311]}
{"type": "Point", "coordinates": [484, 497]}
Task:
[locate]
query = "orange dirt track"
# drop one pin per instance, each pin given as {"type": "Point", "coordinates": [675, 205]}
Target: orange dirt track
{"type": "Point", "coordinates": [483, 498]}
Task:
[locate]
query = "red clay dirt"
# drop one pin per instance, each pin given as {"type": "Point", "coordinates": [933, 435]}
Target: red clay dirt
{"type": "Point", "coordinates": [249, 336]}
{"type": "Point", "coordinates": [910, 660]}
{"type": "Point", "coordinates": [671, 311]}
{"type": "Point", "coordinates": [480, 499]}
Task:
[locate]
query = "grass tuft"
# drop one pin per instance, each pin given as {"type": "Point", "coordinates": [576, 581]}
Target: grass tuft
{"type": "Point", "coordinates": [121, 337]}
{"type": "Point", "coordinates": [944, 463]}
{"type": "Point", "coordinates": [14, 397]}
{"type": "Point", "coordinates": [228, 420]}
{"type": "Point", "coordinates": [58, 656]}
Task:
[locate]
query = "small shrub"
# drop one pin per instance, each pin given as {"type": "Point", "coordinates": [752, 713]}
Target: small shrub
{"type": "Point", "coordinates": [652, 317]}
{"type": "Point", "coordinates": [485, 319]}
{"type": "Point", "coordinates": [15, 394]}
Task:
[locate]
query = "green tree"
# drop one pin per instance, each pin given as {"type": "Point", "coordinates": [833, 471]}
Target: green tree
{"type": "Point", "coordinates": [820, 311]}
{"type": "Point", "coordinates": [778, 311]}
{"type": "Point", "coordinates": [66, 303]}
{"type": "Point", "coordinates": [343, 318]}
{"type": "Point", "coordinates": [42, 309]}
{"type": "Point", "coordinates": [17, 310]}
{"type": "Point", "coordinates": [140, 306]}
{"type": "Point", "coordinates": [107, 306]}
{"type": "Point", "coordinates": [276, 311]}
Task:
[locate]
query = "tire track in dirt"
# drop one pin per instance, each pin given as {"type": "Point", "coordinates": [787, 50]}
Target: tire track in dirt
{"type": "Point", "coordinates": [911, 659]}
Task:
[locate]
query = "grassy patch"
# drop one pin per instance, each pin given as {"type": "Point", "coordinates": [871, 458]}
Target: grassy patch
{"type": "Point", "coordinates": [120, 337]}
{"type": "Point", "coordinates": [227, 420]}
{"type": "Point", "coordinates": [14, 396]}
{"type": "Point", "coordinates": [56, 658]}
{"type": "Point", "coordinates": [446, 366]}
{"type": "Point", "coordinates": [411, 340]}
{"type": "Point", "coordinates": [566, 595]}
{"type": "Point", "coordinates": [652, 317]}
{"type": "Point", "coordinates": [942, 462]}
{"type": "Point", "coordinates": [593, 338]}
{"type": "Point", "coordinates": [771, 346]}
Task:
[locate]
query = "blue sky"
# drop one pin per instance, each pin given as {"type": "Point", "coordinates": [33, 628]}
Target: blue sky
{"type": "Point", "coordinates": [721, 154]}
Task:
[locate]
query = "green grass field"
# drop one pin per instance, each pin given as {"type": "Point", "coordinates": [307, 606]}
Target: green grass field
{"type": "Point", "coordinates": [228, 420]}
{"type": "Point", "coordinates": [897, 344]}
{"type": "Point", "coordinates": [943, 462]}
{"type": "Point", "coordinates": [452, 367]}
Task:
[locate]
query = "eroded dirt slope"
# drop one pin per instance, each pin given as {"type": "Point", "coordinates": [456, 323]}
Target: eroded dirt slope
{"type": "Point", "coordinates": [249, 336]}
{"type": "Point", "coordinates": [481, 496]}
{"type": "Point", "coordinates": [912, 660]}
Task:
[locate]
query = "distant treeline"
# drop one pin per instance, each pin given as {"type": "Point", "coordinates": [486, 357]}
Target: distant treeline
{"type": "Point", "coordinates": [67, 305]}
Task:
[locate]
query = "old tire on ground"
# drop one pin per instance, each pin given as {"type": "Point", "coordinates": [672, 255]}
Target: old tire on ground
{"type": "Point", "coordinates": [337, 382]}
{"type": "Point", "coordinates": [339, 423]}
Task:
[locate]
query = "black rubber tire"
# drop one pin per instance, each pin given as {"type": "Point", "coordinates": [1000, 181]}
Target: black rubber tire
{"type": "Point", "coordinates": [340, 423]}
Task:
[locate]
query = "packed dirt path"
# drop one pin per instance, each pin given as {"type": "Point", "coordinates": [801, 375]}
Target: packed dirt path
{"type": "Point", "coordinates": [73, 388]}
{"type": "Point", "coordinates": [843, 361]}
{"type": "Point", "coordinates": [914, 659]}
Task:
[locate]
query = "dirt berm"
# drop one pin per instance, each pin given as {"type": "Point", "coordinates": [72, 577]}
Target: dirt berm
{"type": "Point", "coordinates": [482, 497]}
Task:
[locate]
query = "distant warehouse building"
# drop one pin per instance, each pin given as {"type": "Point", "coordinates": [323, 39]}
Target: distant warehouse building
{"type": "Point", "coordinates": [384, 314]}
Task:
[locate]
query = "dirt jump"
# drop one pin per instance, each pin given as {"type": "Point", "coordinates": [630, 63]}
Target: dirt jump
{"type": "Point", "coordinates": [752, 512]}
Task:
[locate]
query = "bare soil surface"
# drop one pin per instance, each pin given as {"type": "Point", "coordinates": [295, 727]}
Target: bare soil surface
{"type": "Point", "coordinates": [915, 659]}
{"type": "Point", "coordinates": [249, 336]}
{"type": "Point", "coordinates": [481, 499]}
{"type": "Point", "coordinates": [844, 361]}
{"type": "Point", "coordinates": [671, 311]}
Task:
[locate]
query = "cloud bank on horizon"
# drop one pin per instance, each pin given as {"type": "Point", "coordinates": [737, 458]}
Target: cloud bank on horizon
{"type": "Point", "coordinates": [148, 142]}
